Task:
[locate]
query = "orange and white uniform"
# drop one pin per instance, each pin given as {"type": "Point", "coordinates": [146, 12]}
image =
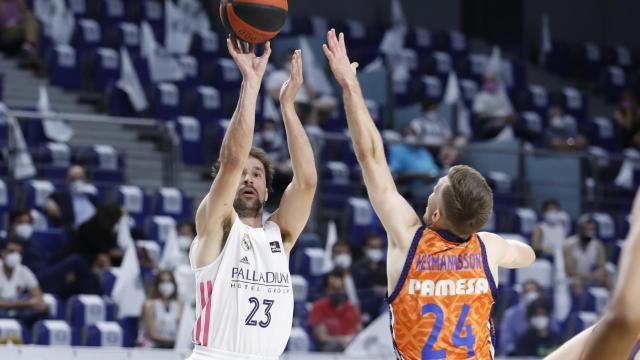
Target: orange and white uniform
{"type": "Point", "coordinates": [441, 306]}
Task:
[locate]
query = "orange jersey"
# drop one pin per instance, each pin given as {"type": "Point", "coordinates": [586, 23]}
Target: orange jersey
{"type": "Point", "coordinates": [441, 306]}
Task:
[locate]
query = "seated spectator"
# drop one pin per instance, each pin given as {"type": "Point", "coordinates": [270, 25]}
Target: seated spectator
{"type": "Point", "coordinates": [97, 239]}
{"type": "Point", "coordinates": [20, 294]}
{"type": "Point", "coordinates": [493, 110]}
{"type": "Point", "coordinates": [548, 236]}
{"type": "Point", "coordinates": [70, 209]}
{"type": "Point", "coordinates": [370, 277]}
{"type": "Point", "coordinates": [186, 234]}
{"type": "Point", "coordinates": [514, 321]}
{"type": "Point", "coordinates": [334, 320]}
{"type": "Point", "coordinates": [584, 258]}
{"type": "Point", "coordinates": [64, 277]}
{"type": "Point", "coordinates": [271, 140]}
{"type": "Point", "coordinates": [18, 28]}
{"type": "Point", "coordinates": [434, 131]}
{"type": "Point", "coordinates": [342, 262]}
{"type": "Point", "coordinates": [161, 313]}
{"type": "Point", "coordinates": [413, 167]}
{"type": "Point", "coordinates": [627, 116]}
{"type": "Point", "coordinates": [539, 340]}
{"type": "Point", "coordinates": [562, 133]}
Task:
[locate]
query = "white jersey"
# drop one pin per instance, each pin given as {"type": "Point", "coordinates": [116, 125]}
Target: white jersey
{"type": "Point", "coordinates": [244, 299]}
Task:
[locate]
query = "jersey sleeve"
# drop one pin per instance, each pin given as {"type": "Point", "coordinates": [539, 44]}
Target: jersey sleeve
{"type": "Point", "coordinates": [30, 281]}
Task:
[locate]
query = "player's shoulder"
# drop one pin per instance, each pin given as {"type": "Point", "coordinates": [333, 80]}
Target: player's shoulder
{"type": "Point", "coordinates": [492, 241]}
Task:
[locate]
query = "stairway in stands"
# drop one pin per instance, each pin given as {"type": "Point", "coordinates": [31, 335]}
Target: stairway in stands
{"type": "Point", "coordinates": [143, 161]}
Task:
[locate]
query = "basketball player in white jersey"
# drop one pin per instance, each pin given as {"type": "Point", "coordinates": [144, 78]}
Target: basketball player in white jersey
{"type": "Point", "coordinates": [401, 222]}
{"type": "Point", "coordinates": [244, 297]}
{"type": "Point", "coordinates": [617, 334]}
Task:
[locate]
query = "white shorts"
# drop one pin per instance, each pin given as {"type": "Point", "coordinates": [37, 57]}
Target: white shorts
{"type": "Point", "coordinates": [205, 353]}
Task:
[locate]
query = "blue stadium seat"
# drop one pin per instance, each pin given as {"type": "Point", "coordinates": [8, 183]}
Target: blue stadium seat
{"type": "Point", "coordinates": [87, 35]}
{"type": "Point", "coordinates": [309, 262]}
{"type": "Point", "coordinates": [606, 227]}
{"type": "Point", "coordinates": [433, 87]}
{"type": "Point", "coordinates": [299, 340]}
{"type": "Point", "coordinates": [614, 81]}
{"type": "Point", "coordinates": [128, 35]}
{"type": "Point", "coordinates": [525, 220]}
{"type": "Point", "coordinates": [307, 239]}
{"type": "Point", "coordinates": [63, 66]}
{"type": "Point", "coordinates": [108, 279]}
{"type": "Point", "coordinates": [38, 191]}
{"type": "Point", "coordinates": [53, 160]}
{"type": "Point", "coordinates": [105, 162]}
{"type": "Point", "coordinates": [103, 68]}
{"type": "Point", "coordinates": [11, 328]}
{"type": "Point", "coordinates": [420, 39]}
{"type": "Point", "coordinates": [153, 13]}
{"type": "Point", "coordinates": [541, 271]}
{"type": "Point", "coordinates": [57, 308]}
{"type": "Point", "coordinates": [502, 186]}
{"type": "Point", "coordinates": [118, 103]}
{"type": "Point", "coordinates": [158, 228]}
{"type": "Point", "coordinates": [591, 60]}
{"type": "Point", "coordinates": [171, 202]}
{"type": "Point", "coordinates": [208, 104]}
{"type": "Point", "coordinates": [83, 310]}
{"type": "Point", "coordinates": [52, 332]}
{"type": "Point", "coordinates": [336, 186]}
{"type": "Point", "coordinates": [191, 140]}
{"type": "Point", "coordinates": [129, 326]}
{"type": "Point", "coordinates": [443, 64]}
{"type": "Point", "coordinates": [477, 64]}
{"type": "Point", "coordinates": [603, 133]}
{"type": "Point", "coordinates": [574, 102]}
{"type": "Point", "coordinates": [537, 100]}
{"type": "Point", "coordinates": [51, 240]}
{"type": "Point", "coordinates": [530, 125]}
{"type": "Point", "coordinates": [205, 46]}
{"type": "Point", "coordinates": [103, 334]}
{"type": "Point", "coordinates": [300, 288]}
{"type": "Point", "coordinates": [578, 321]}
{"type": "Point", "coordinates": [189, 65]}
{"type": "Point", "coordinates": [166, 101]}
{"type": "Point", "coordinates": [135, 201]}
{"type": "Point", "coordinates": [113, 11]}
{"type": "Point", "coordinates": [33, 131]}
{"type": "Point", "coordinates": [469, 89]}
{"type": "Point", "coordinates": [454, 42]}
{"type": "Point", "coordinates": [361, 219]}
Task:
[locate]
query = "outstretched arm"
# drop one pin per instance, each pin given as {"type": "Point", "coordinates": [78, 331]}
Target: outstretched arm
{"type": "Point", "coordinates": [397, 216]}
{"type": "Point", "coordinates": [295, 205]}
{"type": "Point", "coordinates": [216, 209]}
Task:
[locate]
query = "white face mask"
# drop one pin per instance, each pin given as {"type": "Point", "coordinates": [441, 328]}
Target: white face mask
{"type": "Point", "coordinates": [530, 297]}
{"type": "Point", "coordinates": [166, 289]}
{"type": "Point", "coordinates": [24, 230]}
{"type": "Point", "coordinates": [374, 255]}
{"type": "Point", "coordinates": [12, 260]}
{"type": "Point", "coordinates": [553, 217]}
{"type": "Point", "coordinates": [184, 242]}
{"type": "Point", "coordinates": [540, 322]}
{"type": "Point", "coordinates": [342, 261]}
{"type": "Point", "coordinates": [80, 187]}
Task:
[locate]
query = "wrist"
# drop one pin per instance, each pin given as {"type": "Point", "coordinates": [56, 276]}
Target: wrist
{"type": "Point", "coordinates": [288, 105]}
{"type": "Point", "coordinates": [251, 84]}
{"type": "Point", "coordinates": [350, 84]}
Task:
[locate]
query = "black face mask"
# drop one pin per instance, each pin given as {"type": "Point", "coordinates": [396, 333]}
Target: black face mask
{"type": "Point", "coordinates": [585, 238]}
{"type": "Point", "coordinates": [337, 298]}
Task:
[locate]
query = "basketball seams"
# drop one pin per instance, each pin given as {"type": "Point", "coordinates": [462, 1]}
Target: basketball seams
{"type": "Point", "coordinates": [280, 4]}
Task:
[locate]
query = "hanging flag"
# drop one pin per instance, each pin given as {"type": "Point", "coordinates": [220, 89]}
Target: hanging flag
{"type": "Point", "coordinates": [162, 66]}
{"type": "Point", "coordinates": [545, 46]}
{"type": "Point", "coordinates": [128, 291]}
{"type": "Point", "coordinates": [177, 29]}
{"type": "Point", "coordinates": [452, 92]}
{"type": "Point", "coordinates": [54, 129]}
{"type": "Point", "coordinates": [397, 14]}
{"type": "Point", "coordinates": [130, 83]}
{"type": "Point", "coordinates": [185, 328]}
{"type": "Point", "coordinates": [315, 76]}
{"type": "Point", "coordinates": [62, 23]}
{"type": "Point", "coordinates": [172, 256]}
{"type": "Point", "coordinates": [20, 160]}
{"type": "Point", "coordinates": [332, 238]}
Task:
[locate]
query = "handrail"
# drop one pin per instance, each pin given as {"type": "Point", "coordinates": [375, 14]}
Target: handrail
{"type": "Point", "coordinates": [84, 118]}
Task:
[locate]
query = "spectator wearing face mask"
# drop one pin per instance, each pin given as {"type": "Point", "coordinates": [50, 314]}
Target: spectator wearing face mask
{"type": "Point", "coordinates": [271, 140]}
{"type": "Point", "coordinates": [370, 277]}
{"type": "Point", "coordinates": [584, 258]}
{"type": "Point", "coordinates": [514, 321]}
{"type": "Point", "coordinates": [342, 262]}
{"type": "Point", "coordinates": [549, 235]}
{"type": "Point", "coordinates": [20, 294]}
{"type": "Point", "coordinates": [161, 313]}
{"type": "Point", "coordinates": [627, 116]}
{"type": "Point", "coordinates": [69, 209]}
{"type": "Point", "coordinates": [63, 277]}
{"type": "Point", "coordinates": [333, 319]}
{"type": "Point", "coordinates": [186, 234]}
{"type": "Point", "coordinates": [493, 110]}
{"type": "Point", "coordinates": [562, 132]}
{"type": "Point", "coordinates": [413, 167]}
{"type": "Point", "coordinates": [539, 340]}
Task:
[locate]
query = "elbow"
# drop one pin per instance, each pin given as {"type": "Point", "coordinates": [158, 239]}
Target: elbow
{"type": "Point", "coordinates": [307, 181]}
{"type": "Point", "coordinates": [531, 256]}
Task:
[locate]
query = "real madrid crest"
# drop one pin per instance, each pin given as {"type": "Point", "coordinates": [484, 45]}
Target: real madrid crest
{"type": "Point", "coordinates": [245, 242]}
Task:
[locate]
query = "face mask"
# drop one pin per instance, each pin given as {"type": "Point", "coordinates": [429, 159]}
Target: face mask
{"type": "Point", "coordinates": [184, 242]}
{"type": "Point", "coordinates": [553, 217]}
{"type": "Point", "coordinates": [81, 188]}
{"type": "Point", "coordinates": [374, 255]}
{"type": "Point", "coordinates": [166, 289]}
{"type": "Point", "coordinates": [431, 114]}
{"type": "Point", "coordinates": [491, 86]}
{"type": "Point", "coordinates": [411, 139]}
{"type": "Point", "coordinates": [12, 260]}
{"type": "Point", "coordinates": [269, 136]}
{"type": "Point", "coordinates": [24, 230]}
{"type": "Point", "coordinates": [540, 322]}
{"type": "Point", "coordinates": [530, 297]}
{"type": "Point", "coordinates": [337, 298]}
{"type": "Point", "coordinates": [342, 261]}
{"type": "Point", "coordinates": [557, 122]}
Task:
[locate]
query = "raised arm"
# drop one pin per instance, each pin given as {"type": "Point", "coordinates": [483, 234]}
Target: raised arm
{"type": "Point", "coordinates": [215, 213]}
{"type": "Point", "coordinates": [295, 205]}
{"type": "Point", "coordinates": [510, 254]}
{"type": "Point", "coordinates": [397, 216]}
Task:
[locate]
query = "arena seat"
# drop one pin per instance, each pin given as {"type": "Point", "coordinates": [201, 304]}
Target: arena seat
{"type": "Point", "coordinates": [128, 35]}
{"type": "Point", "coordinates": [361, 220]}
{"type": "Point", "coordinates": [541, 271]}
{"type": "Point", "coordinates": [103, 334]}
{"type": "Point", "coordinates": [537, 99]}
{"type": "Point", "coordinates": [190, 134]}
{"type": "Point", "coordinates": [605, 226]}
{"type": "Point", "coordinates": [171, 202]}
{"type": "Point", "coordinates": [102, 68]}
{"type": "Point", "coordinates": [57, 310]}
{"type": "Point", "coordinates": [135, 201]}
{"type": "Point", "coordinates": [113, 11]}
{"type": "Point", "coordinates": [613, 82]}
{"type": "Point", "coordinates": [208, 104]}
{"type": "Point", "coordinates": [52, 332]}
{"type": "Point", "coordinates": [11, 329]}
{"type": "Point", "coordinates": [300, 287]}
{"type": "Point", "coordinates": [603, 133]}
{"type": "Point", "coordinates": [469, 89]}
{"type": "Point", "coordinates": [525, 220]}
{"type": "Point", "coordinates": [574, 102]}
{"type": "Point", "coordinates": [53, 241]}
{"type": "Point", "coordinates": [205, 46]}
{"type": "Point", "coordinates": [38, 191]}
{"type": "Point", "coordinates": [190, 68]}
{"type": "Point", "coordinates": [299, 341]}
{"type": "Point", "coordinates": [63, 65]}
{"type": "Point", "coordinates": [87, 35]}
{"type": "Point", "coordinates": [158, 228]}
{"type": "Point", "coordinates": [167, 104]}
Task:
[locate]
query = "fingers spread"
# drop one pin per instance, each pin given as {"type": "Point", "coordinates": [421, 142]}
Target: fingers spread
{"type": "Point", "coordinates": [327, 52]}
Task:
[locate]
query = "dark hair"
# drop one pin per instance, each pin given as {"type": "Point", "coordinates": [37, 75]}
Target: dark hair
{"type": "Point", "coordinates": [17, 240]}
{"type": "Point", "coordinates": [188, 223]}
{"type": "Point", "coordinates": [262, 156]}
{"type": "Point", "coordinates": [15, 214]}
{"type": "Point", "coordinates": [537, 305]}
{"type": "Point", "coordinates": [335, 273]}
{"type": "Point", "coordinates": [550, 202]}
{"type": "Point", "coordinates": [341, 243]}
{"type": "Point", "coordinates": [155, 294]}
{"type": "Point", "coordinates": [370, 236]}
{"type": "Point", "coordinates": [467, 200]}
{"type": "Point", "coordinates": [429, 102]}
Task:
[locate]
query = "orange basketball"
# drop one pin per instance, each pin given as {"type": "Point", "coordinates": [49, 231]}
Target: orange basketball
{"type": "Point", "coordinates": [254, 21]}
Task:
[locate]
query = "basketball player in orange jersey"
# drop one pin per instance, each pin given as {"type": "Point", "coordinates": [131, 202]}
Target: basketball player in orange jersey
{"type": "Point", "coordinates": [442, 278]}
{"type": "Point", "coordinates": [616, 334]}
{"type": "Point", "coordinates": [244, 291]}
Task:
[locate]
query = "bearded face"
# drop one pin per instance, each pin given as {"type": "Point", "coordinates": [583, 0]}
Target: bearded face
{"type": "Point", "coordinates": [252, 192]}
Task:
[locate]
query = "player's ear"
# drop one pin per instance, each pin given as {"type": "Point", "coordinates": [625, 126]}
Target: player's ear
{"type": "Point", "coordinates": [436, 216]}
{"type": "Point", "coordinates": [266, 197]}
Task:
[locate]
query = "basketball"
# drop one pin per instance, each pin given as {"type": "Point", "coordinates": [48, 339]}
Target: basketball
{"type": "Point", "coordinates": [254, 21]}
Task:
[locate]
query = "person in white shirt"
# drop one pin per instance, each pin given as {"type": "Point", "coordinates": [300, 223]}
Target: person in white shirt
{"type": "Point", "coordinates": [492, 109]}
{"type": "Point", "coordinates": [585, 259]}
{"type": "Point", "coordinates": [20, 294]}
{"type": "Point", "coordinates": [161, 313]}
{"type": "Point", "coordinates": [549, 235]}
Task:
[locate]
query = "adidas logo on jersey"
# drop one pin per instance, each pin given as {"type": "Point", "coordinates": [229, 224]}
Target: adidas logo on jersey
{"type": "Point", "coordinates": [244, 260]}
{"type": "Point", "coordinates": [448, 287]}
{"type": "Point", "coordinates": [275, 246]}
